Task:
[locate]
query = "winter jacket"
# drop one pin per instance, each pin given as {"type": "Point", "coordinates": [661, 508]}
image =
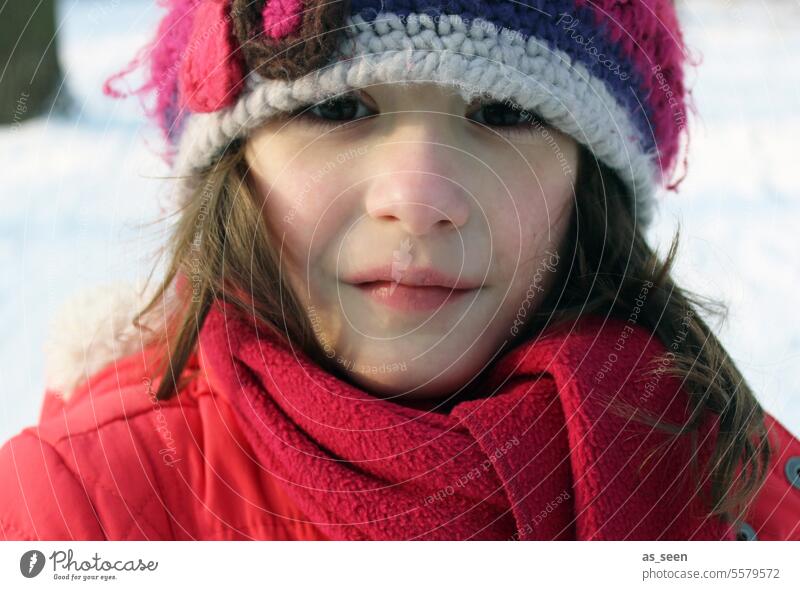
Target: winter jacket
{"type": "Point", "coordinates": [109, 461]}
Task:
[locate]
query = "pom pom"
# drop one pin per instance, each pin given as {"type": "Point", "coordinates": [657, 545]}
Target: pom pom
{"type": "Point", "coordinates": [211, 74]}
{"type": "Point", "coordinates": [282, 17]}
{"type": "Point", "coordinates": [287, 39]}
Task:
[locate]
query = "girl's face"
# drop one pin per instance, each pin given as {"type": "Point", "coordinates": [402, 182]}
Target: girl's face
{"type": "Point", "coordinates": [419, 232]}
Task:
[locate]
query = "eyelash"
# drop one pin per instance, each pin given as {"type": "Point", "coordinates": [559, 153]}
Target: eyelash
{"type": "Point", "coordinates": [306, 115]}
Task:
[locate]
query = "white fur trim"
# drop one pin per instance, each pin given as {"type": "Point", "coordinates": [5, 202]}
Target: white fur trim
{"type": "Point", "coordinates": [91, 329]}
{"type": "Point", "coordinates": [478, 59]}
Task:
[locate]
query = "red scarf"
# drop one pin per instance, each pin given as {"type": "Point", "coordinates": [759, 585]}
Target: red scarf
{"type": "Point", "coordinates": [540, 456]}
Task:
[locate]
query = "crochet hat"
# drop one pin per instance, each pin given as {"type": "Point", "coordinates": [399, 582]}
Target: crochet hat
{"type": "Point", "coordinates": [607, 72]}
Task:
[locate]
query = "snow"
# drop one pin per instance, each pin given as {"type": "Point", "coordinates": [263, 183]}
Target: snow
{"type": "Point", "coordinates": [73, 195]}
{"type": "Point", "coordinates": [739, 207]}
{"type": "Point", "coordinates": [76, 192]}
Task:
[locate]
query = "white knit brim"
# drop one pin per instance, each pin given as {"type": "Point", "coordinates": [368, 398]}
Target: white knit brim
{"type": "Point", "coordinates": [477, 59]}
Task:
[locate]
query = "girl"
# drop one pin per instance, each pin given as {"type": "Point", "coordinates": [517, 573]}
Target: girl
{"type": "Point", "coordinates": [407, 296]}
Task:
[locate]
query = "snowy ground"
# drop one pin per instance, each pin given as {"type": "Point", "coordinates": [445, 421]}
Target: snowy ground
{"type": "Point", "coordinates": [73, 191]}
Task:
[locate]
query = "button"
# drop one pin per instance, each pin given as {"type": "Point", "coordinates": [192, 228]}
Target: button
{"type": "Point", "coordinates": [746, 533]}
{"type": "Point", "coordinates": [793, 471]}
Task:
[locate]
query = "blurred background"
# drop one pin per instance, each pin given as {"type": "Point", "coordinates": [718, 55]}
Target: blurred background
{"type": "Point", "coordinates": [81, 178]}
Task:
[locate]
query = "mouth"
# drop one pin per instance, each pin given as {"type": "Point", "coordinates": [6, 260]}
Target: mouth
{"type": "Point", "coordinates": [413, 289]}
{"type": "Point", "coordinates": [402, 297]}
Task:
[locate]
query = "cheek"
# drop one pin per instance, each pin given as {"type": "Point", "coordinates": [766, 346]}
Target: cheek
{"type": "Point", "coordinates": [533, 220]}
{"type": "Point", "coordinates": [302, 204]}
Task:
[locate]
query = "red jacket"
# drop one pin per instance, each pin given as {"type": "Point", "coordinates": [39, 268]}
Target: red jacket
{"type": "Point", "coordinates": [114, 463]}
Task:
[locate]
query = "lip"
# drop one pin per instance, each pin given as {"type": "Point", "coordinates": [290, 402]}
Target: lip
{"type": "Point", "coordinates": [413, 277]}
{"type": "Point", "coordinates": [412, 289]}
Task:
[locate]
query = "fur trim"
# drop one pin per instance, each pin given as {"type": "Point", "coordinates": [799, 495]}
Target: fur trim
{"type": "Point", "coordinates": [91, 329]}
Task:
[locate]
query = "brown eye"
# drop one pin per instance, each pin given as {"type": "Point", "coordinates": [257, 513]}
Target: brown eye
{"type": "Point", "coordinates": [336, 109]}
{"type": "Point", "coordinates": [333, 112]}
{"type": "Point", "coordinates": [340, 108]}
{"type": "Point", "coordinates": [501, 114]}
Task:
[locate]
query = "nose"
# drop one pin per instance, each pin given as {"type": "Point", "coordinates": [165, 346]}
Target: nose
{"type": "Point", "coordinates": [418, 186]}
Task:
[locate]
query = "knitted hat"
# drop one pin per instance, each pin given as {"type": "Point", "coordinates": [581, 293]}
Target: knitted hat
{"type": "Point", "coordinates": [607, 72]}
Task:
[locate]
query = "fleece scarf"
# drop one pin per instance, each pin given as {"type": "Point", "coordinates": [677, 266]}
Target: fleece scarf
{"type": "Point", "coordinates": [538, 456]}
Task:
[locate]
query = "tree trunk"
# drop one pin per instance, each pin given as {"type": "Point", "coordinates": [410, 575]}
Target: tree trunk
{"type": "Point", "coordinates": [30, 75]}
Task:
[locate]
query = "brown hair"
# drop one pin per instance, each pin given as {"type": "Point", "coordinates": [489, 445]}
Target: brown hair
{"type": "Point", "coordinates": [221, 243]}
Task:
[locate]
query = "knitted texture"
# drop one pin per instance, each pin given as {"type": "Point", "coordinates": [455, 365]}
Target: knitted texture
{"type": "Point", "coordinates": [282, 17]}
{"type": "Point", "coordinates": [211, 76]}
{"type": "Point", "coordinates": [541, 455]}
{"type": "Point", "coordinates": [607, 72]}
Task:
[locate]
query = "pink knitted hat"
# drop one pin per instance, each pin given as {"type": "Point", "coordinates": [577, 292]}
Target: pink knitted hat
{"type": "Point", "coordinates": [607, 72]}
